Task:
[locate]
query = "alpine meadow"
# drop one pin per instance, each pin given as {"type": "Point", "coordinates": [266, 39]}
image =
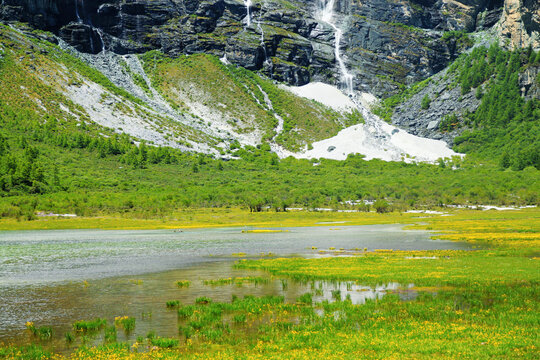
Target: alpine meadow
{"type": "Point", "coordinates": [269, 179]}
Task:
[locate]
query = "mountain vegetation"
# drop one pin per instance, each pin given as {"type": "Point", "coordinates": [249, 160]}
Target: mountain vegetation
{"type": "Point", "coordinates": [506, 125]}
{"type": "Point", "coordinates": [62, 162]}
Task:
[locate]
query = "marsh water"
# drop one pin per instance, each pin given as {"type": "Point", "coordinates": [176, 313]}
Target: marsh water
{"type": "Point", "coordinates": [57, 277]}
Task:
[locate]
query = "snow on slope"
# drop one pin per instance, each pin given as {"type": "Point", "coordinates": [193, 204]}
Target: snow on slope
{"type": "Point", "coordinates": [374, 139]}
{"type": "Point", "coordinates": [326, 94]}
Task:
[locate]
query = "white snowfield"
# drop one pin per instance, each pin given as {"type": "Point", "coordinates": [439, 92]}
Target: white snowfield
{"type": "Point", "coordinates": [326, 94]}
{"type": "Point", "coordinates": [375, 139]}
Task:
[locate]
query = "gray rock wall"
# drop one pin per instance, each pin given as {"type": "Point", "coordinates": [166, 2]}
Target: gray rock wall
{"type": "Point", "coordinates": [385, 43]}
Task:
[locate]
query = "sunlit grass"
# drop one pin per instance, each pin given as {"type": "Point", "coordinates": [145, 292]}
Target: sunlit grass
{"type": "Point", "coordinates": [216, 217]}
{"type": "Point", "coordinates": [479, 304]}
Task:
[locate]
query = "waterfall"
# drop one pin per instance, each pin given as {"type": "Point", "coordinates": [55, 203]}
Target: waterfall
{"type": "Point", "coordinates": [137, 24]}
{"type": "Point", "coordinates": [92, 46]}
{"type": "Point", "coordinates": [266, 61]}
{"type": "Point", "coordinates": [86, 20]}
{"type": "Point", "coordinates": [325, 13]}
{"type": "Point", "coordinates": [100, 34]}
{"type": "Point", "coordinates": [77, 11]}
{"type": "Point", "coordinates": [248, 4]}
{"type": "Point", "coordinates": [259, 27]}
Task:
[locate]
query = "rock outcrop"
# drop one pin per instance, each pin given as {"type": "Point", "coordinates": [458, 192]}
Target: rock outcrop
{"type": "Point", "coordinates": [385, 44]}
{"type": "Point", "coordinates": [520, 24]}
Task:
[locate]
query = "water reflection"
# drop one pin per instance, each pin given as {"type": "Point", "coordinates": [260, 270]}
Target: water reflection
{"type": "Point", "coordinates": [144, 299]}
{"type": "Point", "coordinates": [357, 293]}
{"type": "Point", "coordinates": [58, 277]}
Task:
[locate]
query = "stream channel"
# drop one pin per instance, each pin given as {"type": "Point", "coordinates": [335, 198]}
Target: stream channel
{"type": "Point", "coordinates": [55, 278]}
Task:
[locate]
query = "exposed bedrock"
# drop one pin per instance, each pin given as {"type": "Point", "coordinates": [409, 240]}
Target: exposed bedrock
{"type": "Point", "coordinates": [385, 42]}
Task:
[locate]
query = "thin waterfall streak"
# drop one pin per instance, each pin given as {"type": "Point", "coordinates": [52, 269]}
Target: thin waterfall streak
{"type": "Point", "coordinates": [248, 4]}
{"type": "Point", "coordinates": [100, 33]}
{"type": "Point", "coordinates": [326, 14]}
{"type": "Point", "coordinates": [263, 45]}
{"type": "Point", "coordinates": [94, 30]}
{"type": "Point", "coordinates": [92, 43]}
{"type": "Point", "coordinates": [77, 11]}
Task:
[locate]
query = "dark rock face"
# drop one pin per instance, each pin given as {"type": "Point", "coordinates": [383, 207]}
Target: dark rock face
{"type": "Point", "coordinates": [83, 37]}
{"type": "Point", "coordinates": [446, 100]}
{"type": "Point", "coordinates": [385, 42]}
{"type": "Point", "coordinates": [43, 14]}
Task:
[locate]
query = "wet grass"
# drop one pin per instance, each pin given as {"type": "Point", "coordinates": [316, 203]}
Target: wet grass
{"type": "Point", "coordinates": [42, 332]}
{"type": "Point", "coordinates": [171, 304]}
{"type": "Point", "coordinates": [125, 322]}
{"type": "Point", "coordinates": [238, 281]}
{"type": "Point", "coordinates": [237, 217]}
{"type": "Point", "coordinates": [89, 325]}
{"type": "Point", "coordinates": [111, 334]}
{"type": "Point", "coordinates": [480, 304]}
{"type": "Point", "coordinates": [215, 217]}
{"type": "Point", "coordinates": [183, 283]}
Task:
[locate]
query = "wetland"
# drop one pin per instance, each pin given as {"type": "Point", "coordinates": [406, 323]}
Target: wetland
{"type": "Point", "coordinates": [375, 291]}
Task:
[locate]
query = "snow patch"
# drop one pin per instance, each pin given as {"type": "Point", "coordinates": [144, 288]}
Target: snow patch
{"type": "Point", "coordinates": [491, 207]}
{"type": "Point", "coordinates": [393, 146]}
{"type": "Point", "coordinates": [326, 94]}
{"type": "Point", "coordinates": [375, 139]}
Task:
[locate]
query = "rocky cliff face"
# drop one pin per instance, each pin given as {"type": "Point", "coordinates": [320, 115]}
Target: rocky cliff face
{"type": "Point", "coordinates": [520, 23]}
{"type": "Point", "coordinates": [385, 42]}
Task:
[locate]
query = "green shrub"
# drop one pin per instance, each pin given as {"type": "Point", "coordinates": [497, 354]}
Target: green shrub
{"type": "Point", "coordinates": [426, 101]}
{"type": "Point", "coordinates": [164, 342]}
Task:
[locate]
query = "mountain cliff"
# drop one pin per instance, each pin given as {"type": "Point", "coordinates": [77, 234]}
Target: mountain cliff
{"type": "Point", "coordinates": [162, 55]}
{"type": "Point", "coordinates": [147, 106]}
{"type": "Point", "coordinates": [385, 42]}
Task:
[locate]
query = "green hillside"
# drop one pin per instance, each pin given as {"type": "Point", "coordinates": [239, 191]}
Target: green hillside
{"type": "Point", "coordinates": [53, 157]}
{"type": "Point", "coordinates": [505, 127]}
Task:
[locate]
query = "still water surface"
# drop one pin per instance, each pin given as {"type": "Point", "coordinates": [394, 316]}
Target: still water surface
{"type": "Point", "coordinates": [58, 277]}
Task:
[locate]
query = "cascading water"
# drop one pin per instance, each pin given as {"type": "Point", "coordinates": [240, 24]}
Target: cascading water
{"type": "Point", "coordinates": [263, 45]}
{"type": "Point", "coordinates": [77, 11]}
{"type": "Point", "coordinates": [100, 35]}
{"type": "Point", "coordinates": [325, 13]}
{"type": "Point", "coordinates": [248, 4]}
{"type": "Point", "coordinates": [376, 137]}
{"type": "Point", "coordinates": [85, 20]}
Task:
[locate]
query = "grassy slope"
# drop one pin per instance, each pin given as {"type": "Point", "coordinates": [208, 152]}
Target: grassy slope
{"type": "Point", "coordinates": [238, 95]}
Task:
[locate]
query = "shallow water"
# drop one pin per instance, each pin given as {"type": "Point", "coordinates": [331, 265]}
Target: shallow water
{"type": "Point", "coordinates": [58, 277]}
{"type": "Point", "coordinates": [37, 257]}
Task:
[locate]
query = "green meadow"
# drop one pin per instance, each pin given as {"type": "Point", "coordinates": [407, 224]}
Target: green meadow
{"type": "Point", "coordinates": [477, 304]}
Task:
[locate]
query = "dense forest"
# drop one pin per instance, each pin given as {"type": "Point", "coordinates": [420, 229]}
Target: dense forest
{"type": "Point", "coordinates": [505, 125]}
